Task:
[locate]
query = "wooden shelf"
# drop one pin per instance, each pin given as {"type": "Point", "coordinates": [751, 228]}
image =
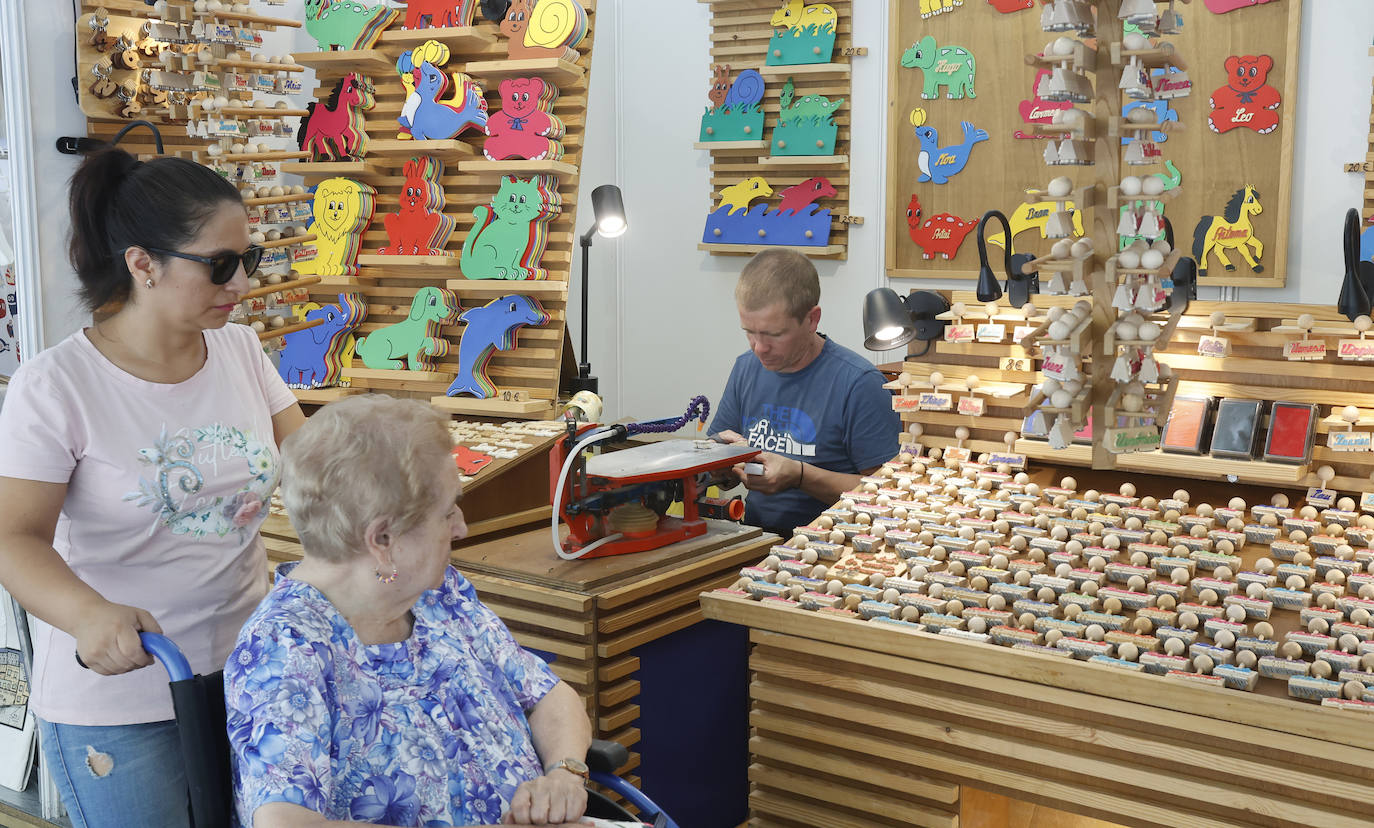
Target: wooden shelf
{"type": "Point", "coordinates": [398, 375]}
{"type": "Point", "coordinates": [288, 241]}
{"type": "Point", "coordinates": [1255, 472]}
{"type": "Point", "coordinates": [273, 22]}
{"type": "Point", "coordinates": [499, 287]}
{"type": "Point", "coordinates": [490, 408]}
{"type": "Point", "coordinates": [323, 396]}
{"type": "Point", "coordinates": [818, 252]}
{"type": "Point", "coordinates": [407, 262]}
{"type": "Point", "coordinates": [458, 39]}
{"type": "Point", "coordinates": [808, 70]}
{"type": "Point", "coordinates": [399, 150]}
{"type": "Point", "coordinates": [266, 290]}
{"type": "Point", "coordinates": [250, 112]}
{"type": "Point", "coordinates": [805, 161]}
{"type": "Point", "coordinates": [732, 146]}
{"type": "Point", "coordinates": [560, 72]}
{"type": "Point", "coordinates": [1076, 454]}
{"type": "Point", "coordinates": [316, 170]}
{"type": "Point", "coordinates": [517, 166]}
{"type": "Point", "coordinates": [260, 65]}
{"type": "Point", "coordinates": [334, 64]}
{"type": "Point", "coordinates": [246, 157]}
{"type": "Point", "coordinates": [283, 199]}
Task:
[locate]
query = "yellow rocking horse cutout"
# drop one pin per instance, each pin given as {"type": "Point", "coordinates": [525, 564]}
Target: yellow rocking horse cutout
{"type": "Point", "coordinates": [1232, 229]}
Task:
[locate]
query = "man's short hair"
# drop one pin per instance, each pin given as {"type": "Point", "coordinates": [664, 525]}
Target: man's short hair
{"type": "Point", "coordinates": [784, 276]}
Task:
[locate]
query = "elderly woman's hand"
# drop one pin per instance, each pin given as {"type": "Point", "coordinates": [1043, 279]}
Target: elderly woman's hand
{"type": "Point", "coordinates": [555, 798]}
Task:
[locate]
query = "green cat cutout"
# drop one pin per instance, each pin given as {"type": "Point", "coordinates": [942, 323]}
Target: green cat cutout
{"type": "Point", "coordinates": [507, 240]}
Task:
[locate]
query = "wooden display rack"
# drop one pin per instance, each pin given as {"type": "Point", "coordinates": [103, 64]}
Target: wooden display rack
{"type": "Point", "coordinates": [740, 32]}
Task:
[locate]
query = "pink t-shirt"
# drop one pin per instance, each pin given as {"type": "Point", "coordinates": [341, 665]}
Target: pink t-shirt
{"type": "Point", "coordinates": [167, 485]}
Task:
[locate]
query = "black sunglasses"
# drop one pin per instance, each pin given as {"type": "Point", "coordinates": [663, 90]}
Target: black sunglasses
{"type": "Point", "coordinates": [223, 266]}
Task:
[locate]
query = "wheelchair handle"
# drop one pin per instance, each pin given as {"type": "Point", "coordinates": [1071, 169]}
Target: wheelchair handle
{"type": "Point", "coordinates": [164, 650]}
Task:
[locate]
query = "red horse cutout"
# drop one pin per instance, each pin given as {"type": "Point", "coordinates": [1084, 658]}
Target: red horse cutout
{"type": "Point", "coordinates": [334, 131]}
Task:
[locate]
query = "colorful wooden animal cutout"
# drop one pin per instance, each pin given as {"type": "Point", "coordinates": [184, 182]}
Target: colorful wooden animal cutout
{"type": "Point", "coordinates": [470, 461]}
{"type": "Point", "coordinates": [1037, 110]}
{"type": "Point", "coordinates": [1224, 6]}
{"type": "Point", "coordinates": [803, 34]}
{"type": "Point", "coordinates": [415, 340]}
{"type": "Point", "coordinates": [343, 209]}
{"type": "Point", "coordinates": [346, 24]}
{"type": "Point", "coordinates": [1010, 6]}
{"type": "Point", "coordinates": [940, 235]}
{"type": "Point", "coordinates": [427, 114]}
{"type": "Point", "coordinates": [798, 221]}
{"type": "Point", "coordinates": [805, 126]}
{"type": "Point", "coordinates": [937, 163]}
{"type": "Point", "coordinates": [437, 14]}
{"type": "Point", "coordinates": [333, 130]}
{"type": "Point", "coordinates": [507, 239]}
{"type": "Point", "coordinates": [952, 67]}
{"type": "Point", "coordinates": [544, 29]}
{"type": "Point", "coordinates": [735, 113]}
{"type": "Point", "coordinates": [313, 358]}
{"type": "Point", "coordinates": [419, 227]}
{"type": "Point", "coordinates": [1163, 112]}
{"type": "Point", "coordinates": [1036, 216]}
{"type": "Point", "coordinates": [524, 126]}
{"type": "Point", "coordinates": [931, 8]}
{"type": "Point", "coordinates": [1247, 100]}
{"type": "Point", "coordinates": [490, 328]}
{"type": "Point", "coordinates": [1230, 230]}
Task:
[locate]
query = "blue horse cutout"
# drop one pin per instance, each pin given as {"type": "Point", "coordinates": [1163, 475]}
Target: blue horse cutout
{"type": "Point", "coordinates": [490, 328]}
{"type": "Point", "coordinates": [939, 164]}
{"type": "Point", "coordinates": [434, 118]}
{"type": "Point", "coordinates": [310, 357]}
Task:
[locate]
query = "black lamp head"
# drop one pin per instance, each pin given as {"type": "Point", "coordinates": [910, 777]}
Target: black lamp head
{"type": "Point", "coordinates": [1184, 278]}
{"type": "Point", "coordinates": [888, 323]}
{"type": "Point", "coordinates": [925, 307]}
{"type": "Point", "coordinates": [609, 207]}
{"type": "Point", "coordinates": [1356, 287]}
{"type": "Point", "coordinates": [495, 10]}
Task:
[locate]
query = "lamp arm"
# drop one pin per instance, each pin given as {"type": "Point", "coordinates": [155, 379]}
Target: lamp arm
{"type": "Point", "coordinates": [1006, 237]}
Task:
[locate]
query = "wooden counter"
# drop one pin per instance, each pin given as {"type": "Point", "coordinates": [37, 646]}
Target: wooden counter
{"type": "Point", "coordinates": [855, 724]}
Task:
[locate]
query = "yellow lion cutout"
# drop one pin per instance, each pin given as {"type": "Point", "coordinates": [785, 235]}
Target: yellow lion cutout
{"type": "Point", "coordinates": [343, 210]}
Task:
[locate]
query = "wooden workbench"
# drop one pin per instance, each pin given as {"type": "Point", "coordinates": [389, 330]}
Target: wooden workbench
{"type": "Point", "coordinates": [856, 724]}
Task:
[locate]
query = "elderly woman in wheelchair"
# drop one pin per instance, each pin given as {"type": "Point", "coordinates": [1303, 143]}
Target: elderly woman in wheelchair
{"type": "Point", "coordinates": [371, 685]}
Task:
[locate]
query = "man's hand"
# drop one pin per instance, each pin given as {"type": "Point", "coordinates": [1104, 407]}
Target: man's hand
{"type": "Point", "coordinates": [779, 474]}
{"type": "Point", "coordinates": [729, 437]}
{"type": "Point", "coordinates": [555, 798]}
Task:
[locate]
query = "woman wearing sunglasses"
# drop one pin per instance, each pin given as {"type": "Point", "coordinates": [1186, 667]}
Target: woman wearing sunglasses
{"type": "Point", "coordinates": [138, 460]}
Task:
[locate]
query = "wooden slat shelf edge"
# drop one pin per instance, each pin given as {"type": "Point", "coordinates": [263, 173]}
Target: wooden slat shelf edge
{"type": "Point", "coordinates": [457, 38]}
{"type": "Point", "coordinates": [537, 287]}
{"type": "Point", "coordinates": [407, 262]}
{"type": "Point", "coordinates": [491, 408]}
{"type": "Point", "coordinates": [332, 64]}
{"type": "Point", "coordinates": [828, 251]}
{"type": "Point", "coordinates": [396, 151]}
{"type": "Point", "coordinates": [561, 72]}
{"type": "Point", "coordinates": [805, 161]}
{"type": "Point", "coordinates": [733, 146]}
{"type": "Point", "coordinates": [808, 70]}
{"type": "Point", "coordinates": [516, 166]}
{"type": "Point", "coordinates": [321, 396]}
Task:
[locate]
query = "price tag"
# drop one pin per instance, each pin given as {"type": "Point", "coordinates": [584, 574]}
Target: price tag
{"type": "Point", "coordinates": [1213, 346]}
{"type": "Point", "coordinates": [1016, 364]}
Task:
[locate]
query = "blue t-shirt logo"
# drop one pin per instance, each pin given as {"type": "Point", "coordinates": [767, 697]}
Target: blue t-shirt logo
{"type": "Point", "coordinates": [783, 430]}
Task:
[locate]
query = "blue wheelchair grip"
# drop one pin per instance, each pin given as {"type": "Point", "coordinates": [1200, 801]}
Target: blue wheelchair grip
{"type": "Point", "coordinates": [647, 808]}
{"type": "Point", "coordinates": [162, 648]}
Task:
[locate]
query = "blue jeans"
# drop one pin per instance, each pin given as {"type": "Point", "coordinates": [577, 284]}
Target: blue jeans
{"type": "Point", "coordinates": [120, 775]}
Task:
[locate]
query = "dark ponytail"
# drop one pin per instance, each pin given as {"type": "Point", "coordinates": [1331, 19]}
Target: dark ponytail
{"type": "Point", "coordinates": [118, 201]}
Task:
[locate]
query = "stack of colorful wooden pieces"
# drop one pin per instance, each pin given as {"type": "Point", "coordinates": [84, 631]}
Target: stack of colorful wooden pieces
{"type": "Point", "coordinates": [343, 209]}
{"type": "Point", "coordinates": [335, 130]}
{"type": "Point", "coordinates": [350, 25]}
{"type": "Point", "coordinates": [491, 328]}
{"type": "Point", "coordinates": [797, 220]}
{"type": "Point", "coordinates": [439, 104]}
{"type": "Point", "coordinates": [525, 126]}
{"type": "Point", "coordinates": [316, 357]}
{"type": "Point", "coordinates": [416, 340]}
{"type": "Point", "coordinates": [419, 227]}
{"type": "Point", "coordinates": [479, 447]}
{"type": "Point", "coordinates": [806, 126]}
{"type": "Point", "coordinates": [544, 29]}
{"type": "Point", "coordinates": [508, 238]}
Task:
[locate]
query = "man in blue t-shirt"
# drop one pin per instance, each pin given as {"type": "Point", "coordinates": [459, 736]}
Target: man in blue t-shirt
{"type": "Point", "coordinates": [818, 410]}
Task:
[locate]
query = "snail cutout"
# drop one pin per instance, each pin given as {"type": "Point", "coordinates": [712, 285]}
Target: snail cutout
{"type": "Point", "coordinates": [488, 329]}
{"type": "Point", "coordinates": [796, 221]}
{"type": "Point", "coordinates": [438, 104]}
{"type": "Point", "coordinates": [315, 357]}
{"type": "Point", "coordinates": [1232, 230]}
{"type": "Point", "coordinates": [413, 342]}
{"type": "Point", "coordinates": [508, 237]}
{"type": "Point", "coordinates": [438, 14]}
{"type": "Point", "coordinates": [940, 163]}
{"type": "Point", "coordinates": [802, 34]}
{"type": "Point", "coordinates": [333, 129]}
{"type": "Point", "coordinates": [1357, 287]}
{"type": "Point", "coordinates": [1020, 285]}
{"type": "Point", "coordinates": [806, 125]}
{"type": "Point", "coordinates": [346, 26]}
{"type": "Point", "coordinates": [544, 29]}
{"type": "Point", "coordinates": [735, 113]}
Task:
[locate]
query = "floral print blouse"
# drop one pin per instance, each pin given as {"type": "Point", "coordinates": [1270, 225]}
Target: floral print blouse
{"type": "Point", "coordinates": [429, 731]}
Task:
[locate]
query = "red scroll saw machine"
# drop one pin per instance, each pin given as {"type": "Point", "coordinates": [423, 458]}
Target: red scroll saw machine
{"type": "Point", "coordinates": [615, 502]}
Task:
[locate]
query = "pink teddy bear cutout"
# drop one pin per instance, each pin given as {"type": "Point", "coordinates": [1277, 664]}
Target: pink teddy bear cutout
{"type": "Point", "coordinates": [525, 127]}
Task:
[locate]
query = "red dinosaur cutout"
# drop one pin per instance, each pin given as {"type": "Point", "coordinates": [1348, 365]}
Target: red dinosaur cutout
{"type": "Point", "coordinates": [800, 196]}
{"type": "Point", "coordinates": [940, 234]}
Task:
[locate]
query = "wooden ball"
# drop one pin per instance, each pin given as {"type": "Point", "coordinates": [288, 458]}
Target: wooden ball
{"type": "Point", "coordinates": [1352, 690]}
{"type": "Point", "coordinates": [1174, 646]}
{"type": "Point", "coordinates": [1166, 602]}
{"type": "Point", "coordinates": [1112, 606]}
{"type": "Point", "coordinates": [1095, 632]}
{"type": "Point", "coordinates": [1321, 669]}
{"type": "Point", "coordinates": [1052, 636]}
{"type": "Point", "coordinates": [1348, 642]}
{"type": "Point", "coordinates": [1236, 613]}
{"type": "Point", "coordinates": [1225, 638]}
{"type": "Point", "coordinates": [1203, 664]}
{"type": "Point", "coordinates": [1026, 620]}
{"type": "Point", "coordinates": [1290, 649]}
{"type": "Point", "coordinates": [1188, 621]}
{"type": "Point", "coordinates": [1264, 630]}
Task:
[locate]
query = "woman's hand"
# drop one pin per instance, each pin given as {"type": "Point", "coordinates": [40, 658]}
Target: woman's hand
{"type": "Point", "coordinates": [555, 798]}
{"type": "Point", "coordinates": [107, 638]}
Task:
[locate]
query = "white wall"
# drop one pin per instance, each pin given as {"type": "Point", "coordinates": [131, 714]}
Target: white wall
{"type": "Point", "coordinates": [663, 325]}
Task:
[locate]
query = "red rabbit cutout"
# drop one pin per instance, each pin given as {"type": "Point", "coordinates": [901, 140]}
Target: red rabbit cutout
{"type": "Point", "coordinates": [419, 227]}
